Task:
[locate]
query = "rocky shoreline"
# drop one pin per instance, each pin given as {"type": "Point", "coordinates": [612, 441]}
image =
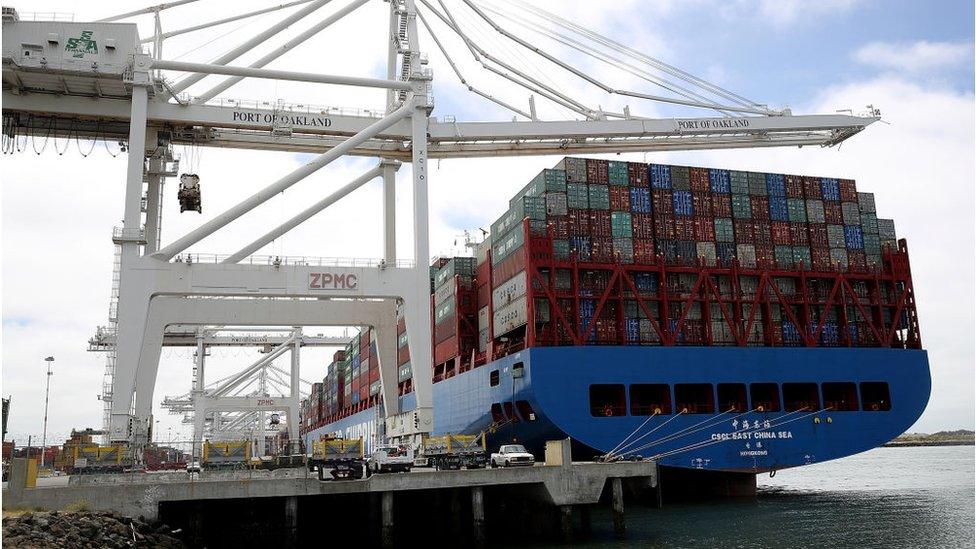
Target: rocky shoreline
{"type": "Point", "coordinates": [58, 529]}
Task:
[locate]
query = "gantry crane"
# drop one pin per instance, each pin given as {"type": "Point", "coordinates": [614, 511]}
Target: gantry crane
{"type": "Point", "coordinates": [95, 81]}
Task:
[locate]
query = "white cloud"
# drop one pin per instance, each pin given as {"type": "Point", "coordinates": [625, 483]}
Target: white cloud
{"type": "Point", "coordinates": [921, 56]}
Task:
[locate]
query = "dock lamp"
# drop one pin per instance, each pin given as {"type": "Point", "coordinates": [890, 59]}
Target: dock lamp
{"type": "Point", "coordinates": [47, 393]}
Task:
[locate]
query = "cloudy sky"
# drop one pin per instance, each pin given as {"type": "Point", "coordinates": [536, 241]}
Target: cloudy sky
{"type": "Point", "coordinates": [913, 62]}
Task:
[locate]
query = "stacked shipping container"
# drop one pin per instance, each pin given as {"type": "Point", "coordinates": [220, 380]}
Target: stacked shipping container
{"type": "Point", "coordinates": [616, 253]}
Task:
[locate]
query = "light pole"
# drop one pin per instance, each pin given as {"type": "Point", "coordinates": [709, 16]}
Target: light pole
{"type": "Point", "coordinates": [47, 393]}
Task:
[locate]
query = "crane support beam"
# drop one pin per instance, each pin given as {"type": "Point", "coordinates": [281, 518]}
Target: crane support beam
{"type": "Point", "coordinates": [223, 21]}
{"type": "Point", "coordinates": [251, 44]}
{"type": "Point", "coordinates": [304, 216]}
{"type": "Point", "coordinates": [272, 74]}
{"type": "Point", "coordinates": [281, 50]}
{"type": "Point", "coordinates": [282, 184]}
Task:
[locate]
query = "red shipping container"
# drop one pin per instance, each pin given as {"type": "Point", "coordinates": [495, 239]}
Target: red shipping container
{"type": "Point", "coordinates": [509, 267]}
{"type": "Point", "coordinates": [820, 259]}
{"type": "Point", "coordinates": [848, 190]}
{"type": "Point", "coordinates": [699, 180]}
{"type": "Point", "coordinates": [643, 251]}
{"type": "Point", "coordinates": [798, 234]}
{"type": "Point", "coordinates": [702, 204]}
{"type": "Point", "coordinates": [374, 374]}
{"type": "Point", "coordinates": [600, 224]}
{"type": "Point", "coordinates": [856, 260]}
{"type": "Point", "coordinates": [446, 350]}
{"type": "Point", "coordinates": [637, 173]}
{"type": "Point", "coordinates": [780, 231]}
{"type": "Point", "coordinates": [401, 327]}
{"type": "Point", "coordinates": [812, 189]}
{"type": "Point", "coordinates": [363, 394]}
{"type": "Point", "coordinates": [578, 222]}
{"type": "Point", "coordinates": [484, 293]}
{"type": "Point", "coordinates": [620, 199]}
{"type": "Point", "coordinates": [597, 171]}
{"type": "Point", "coordinates": [557, 227]}
{"type": "Point", "coordinates": [684, 228]}
{"type": "Point", "coordinates": [664, 226]}
{"type": "Point", "coordinates": [833, 212]}
{"type": "Point", "coordinates": [662, 201]}
{"type": "Point", "coordinates": [765, 256]}
{"type": "Point", "coordinates": [721, 205]}
{"type": "Point", "coordinates": [704, 229]}
{"type": "Point", "coordinates": [403, 355]}
{"type": "Point", "coordinates": [602, 250]}
{"type": "Point", "coordinates": [818, 235]}
{"type": "Point", "coordinates": [762, 233]}
{"type": "Point", "coordinates": [794, 186]}
{"type": "Point", "coordinates": [643, 225]}
{"type": "Point", "coordinates": [760, 207]}
{"type": "Point", "coordinates": [447, 328]}
{"type": "Point", "coordinates": [355, 384]}
{"type": "Point", "coordinates": [744, 231]}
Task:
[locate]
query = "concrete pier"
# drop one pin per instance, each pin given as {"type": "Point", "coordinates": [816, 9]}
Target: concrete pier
{"type": "Point", "coordinates": [216, 507]}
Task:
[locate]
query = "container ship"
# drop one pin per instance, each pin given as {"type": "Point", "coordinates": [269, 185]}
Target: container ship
{"type": "Point", "coordinates": [711, 319]}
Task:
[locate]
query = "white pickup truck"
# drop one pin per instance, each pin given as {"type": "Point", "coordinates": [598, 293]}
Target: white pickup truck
{"type": "Point", "coordinates": [391, 459]}
{"type": "Point", "coordinates": [511, 455]}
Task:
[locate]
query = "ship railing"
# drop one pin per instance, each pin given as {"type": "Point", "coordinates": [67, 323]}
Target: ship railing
{"type": "Point", "coordinates": [305, 261]}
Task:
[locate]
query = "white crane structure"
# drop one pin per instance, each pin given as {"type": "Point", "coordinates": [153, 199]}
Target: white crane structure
{"type": "Point", "coordinates": [94, 81]}
{"type": "Point", "coordinates": [237, 406]}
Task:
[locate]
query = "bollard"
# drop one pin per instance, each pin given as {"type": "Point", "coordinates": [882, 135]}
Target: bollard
{"type": "Point", "coordinates": [291, 522]}
{"type": "Point", "coordinates": [566, 523]}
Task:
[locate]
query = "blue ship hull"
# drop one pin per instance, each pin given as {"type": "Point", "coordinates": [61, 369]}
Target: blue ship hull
{"type": "Point", "coordinates": [555, 385]}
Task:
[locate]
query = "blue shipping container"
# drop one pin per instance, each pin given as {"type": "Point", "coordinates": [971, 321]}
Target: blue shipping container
{"type": "Point", "coordinates": [640, 200]}
{"type": "Point", "coordinates": [645, 282]}
{"type": "Point", "coordinates": [791, 336]}
{"type": "Point", "coordinates": [830, 188]}
{"type": "Point", "coordinates": [682, 203]}
{"type": "Point", "coordinates": [778, 210]}
{"type": "Point", "coordinates": [633, 330]}
{"type": "Point", "coordinates": [660, 176]}
{"type": "Point", "coordinates": [719, 181]}
{"type": "Point", "coordinates": [853, 237]}
{"type": "Point", "coordinates": [775, 185]}
{"type": "Point", "coordinates": [581, 245]}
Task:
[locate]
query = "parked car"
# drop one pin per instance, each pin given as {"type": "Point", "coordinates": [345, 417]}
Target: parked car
{"type": "Point", "coordinates": [511, 455]}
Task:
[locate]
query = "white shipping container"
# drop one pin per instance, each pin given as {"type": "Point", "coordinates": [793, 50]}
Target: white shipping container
{"type": "Point", "coordinates": [483, 319]}
{"type": "Point", "coordinates": [509, 291]}
{"type": "Point", "coordinates": [510, 317]}
{"type": "Point", "coordinates": [444, 292]}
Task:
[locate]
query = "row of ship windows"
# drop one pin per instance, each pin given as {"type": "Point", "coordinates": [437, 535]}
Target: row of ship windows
{"type": "Point", "coordinates": [609, 400]}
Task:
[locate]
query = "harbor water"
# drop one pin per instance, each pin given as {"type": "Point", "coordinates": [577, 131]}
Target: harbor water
{"type": "Point", "coordinates": [887, 497]}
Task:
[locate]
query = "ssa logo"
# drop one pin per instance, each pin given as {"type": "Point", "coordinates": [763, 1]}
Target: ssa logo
{"type": "Point", "coordinates": [81, 46]}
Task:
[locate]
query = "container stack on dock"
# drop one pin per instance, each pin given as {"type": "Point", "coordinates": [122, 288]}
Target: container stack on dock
{"type": "Point", "coordinates": [593, 252]}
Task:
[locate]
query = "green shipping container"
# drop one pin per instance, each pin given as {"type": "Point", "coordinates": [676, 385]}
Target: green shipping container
{"type": "Point", "coordinates": [784, 257]}
{"type": "Point", "coordinates": [739, 182]}
{"type": "Point", "coordinates": [620, 225]}
{"type": "Point", "coordinates": [797, 210]}
{"type": "Point", "coordinates": [532, 207]}
{"type": "Point", "coordinates": [599, 196]}
{"type": "Point", "coordinates": [801, 254]}
{"type": "Point", "coordinates": [724, 231]}
{"type": "Point", "coordinates": [618, 173]}
{"type": "Point", "coordinates": [560, 249]}
{"type": "Point", "coordinates": [869, 223]}
{"type": "Point", "coordinates": [741, 206]}
{"type": "Point", "coordinates": [757, 184]}
{"type": "Point", "coordinates": [546, 181]}
{"type": "Point", "coordinates": [506, 245]}
{"type": "Point", "coordinates": [463, 266]}
{"type": "Point", "coordinates": [578, 196]}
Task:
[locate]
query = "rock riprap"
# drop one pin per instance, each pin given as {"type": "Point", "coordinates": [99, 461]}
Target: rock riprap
{"type": "Point", "coordinates": [57, 529]}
